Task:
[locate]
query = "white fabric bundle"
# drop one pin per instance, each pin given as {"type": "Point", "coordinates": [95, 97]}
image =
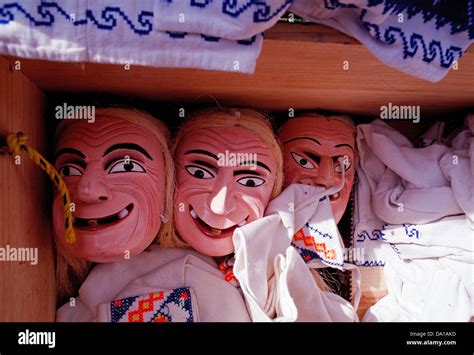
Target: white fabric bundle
{"type": "Point", "coordinates": [227, 19]}
{"type": "Point", "coordinates": [275, 280]}
{"type": "Point", "coordinates": [173, 285]}
{"type": "Point", "coordinates": [138, 32]}
{"type": "Point", "coordinates": [399, 32]}
{"type": "Point", "coordinates": [417, 205]}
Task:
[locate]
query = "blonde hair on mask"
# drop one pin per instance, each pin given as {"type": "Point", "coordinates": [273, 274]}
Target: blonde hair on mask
{"type": "Point", "coordinates": [253, 121]}
{"type": "Point", "coordinates": [71, 271]}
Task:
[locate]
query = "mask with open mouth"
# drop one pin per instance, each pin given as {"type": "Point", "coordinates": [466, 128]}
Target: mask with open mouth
{"type": "Point", "coordinates": [226, 174]}
{"type": "Point", "coordinates": [115, 171]}
{"type": "Point", "coordinates": [312, 148]}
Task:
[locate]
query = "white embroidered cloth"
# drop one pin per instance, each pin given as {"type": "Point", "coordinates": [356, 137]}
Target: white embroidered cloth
{"type": "Point", "coordinates": [139, 32]}
{"type": "Point", "coordinates": [159, 284]}
{"type": "Point", "coordinates": [414, 213]}
{"type": "Point", "coordinates": [420, 38]}
{"type": "Point", "coordinates": [275, 279]}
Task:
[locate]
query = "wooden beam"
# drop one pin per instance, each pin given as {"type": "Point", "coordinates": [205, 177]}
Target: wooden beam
{"type": "Point", "coordinates": [27, 291]}
{"type": "Point", "coordinates": [301, 67]}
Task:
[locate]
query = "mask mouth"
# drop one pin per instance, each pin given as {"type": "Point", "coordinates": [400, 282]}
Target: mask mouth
{"type": "Point", "coordinates": [93, 224]}
{"type": "Point", "coordinates": [213, 232]}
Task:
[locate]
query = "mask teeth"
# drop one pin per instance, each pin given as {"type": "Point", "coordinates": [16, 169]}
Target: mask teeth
{"type": "Point", "coordinates": [216, 231]}
{"type": "Point", "coordinates": [92, 222]}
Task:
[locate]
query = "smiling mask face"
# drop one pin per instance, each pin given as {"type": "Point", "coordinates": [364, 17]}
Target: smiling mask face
{"type": "Point", "coordinates": [225, 177]}
{"type": "Point", "coordinates": [114, 171]}
{"type": "Point", "coordinates": [311, 149]}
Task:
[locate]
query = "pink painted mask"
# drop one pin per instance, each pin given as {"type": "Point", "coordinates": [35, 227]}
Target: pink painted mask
{"type": "Point", "coordinates": [311, 150]}
{"type": "Point", "coordinates": [114, 171]}
{"type": "Point", "coordinates": [225, 177]}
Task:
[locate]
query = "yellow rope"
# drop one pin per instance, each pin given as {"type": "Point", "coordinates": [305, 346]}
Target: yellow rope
{"type": "Point", "coordinates": [17, 142]}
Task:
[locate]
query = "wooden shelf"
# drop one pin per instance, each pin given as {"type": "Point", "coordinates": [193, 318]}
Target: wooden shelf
{"type": "Point", "coordinates": [301, 67]}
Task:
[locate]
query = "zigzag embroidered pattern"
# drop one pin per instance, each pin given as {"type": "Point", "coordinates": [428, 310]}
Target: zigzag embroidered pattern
{"type": "Point", "coordinates": [309, 241]}
{"type": "Point", "coordinates": [309, 255]}
{"type": "Point", "coordinates": [370, 263]}
{"type": "Point", "coordinates": [109, 16]}
{"type": "Point", "coordinates": [161, 306]}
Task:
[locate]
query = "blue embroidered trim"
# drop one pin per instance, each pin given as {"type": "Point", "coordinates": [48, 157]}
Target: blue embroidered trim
{"type": "Point", "coordinates": [175, 297]}
{"type": "Point", "coordinates": [108, 20]}
{"type": "Point", "coordinates": [177, 34]}
{"type": "Point", "coordinates": [312, 256]}
{"type": "Point", "coordinates": [376, 235]}
{"type": "Point", "coordinates": [370, 263]}
{"type": "Point", "coordinates": [263, 13]}
{"type": "Point", "coordinates": [145, 18]}
{"type": "Point", "coordinates": [334, 4]}
{"type": "Point", "coordinates": [395, 249]}
{"type": "Point", "coordinates": [410, 231]}
{"type": "Point", "coordinates": [459, 14]}
{"type": "Point", "coordinates": [461, 21]}
{"type": "Point", "coordinates": [413, 43]}
{"type": "Point", "coordinates": [324, 235]}
{"type": "Point", "coordinates": [117, 312]}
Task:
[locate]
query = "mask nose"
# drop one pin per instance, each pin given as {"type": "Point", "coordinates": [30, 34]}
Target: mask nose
{"type": "Point", "coordinates": [221, 200]}
{"type": "Point", "coordinates": [92, 188]}
{"type": "Point", "coordinates": [325, 177]}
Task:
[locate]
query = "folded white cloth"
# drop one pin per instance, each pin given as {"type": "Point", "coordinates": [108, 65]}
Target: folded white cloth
{"type": "Point", "coordinates": [230, 19]}
{"type": "Point", "coordinates": [424, 290]}
{"type": "Point", "coordinates": [139, 32]}
{"type": "Point", "coordinates": [275, 279]}
{"type": "Point", "coordinates": [421, 38]}
{"type": "Point", "coordinates": [414, 215]}
{"type": "Point", "coordinates": [158, 285]}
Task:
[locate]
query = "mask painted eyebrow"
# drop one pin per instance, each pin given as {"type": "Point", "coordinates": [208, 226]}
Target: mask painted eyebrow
{"type": "Point", "coordinates": [206, 164]}
{"type": "Point", "coordinates": [246, 172]}
{"type": "Point", "coordinates": [311, 139]}
{"type": "Point", "coordinates": [203, 152]}
{"type": "Point", "coordinates": [69, 151]}
{"type": "Point", "coordinates": [344, 145]}
{"type": "Point", "coordinates": [259, 163]}
{"type": "Point", "coordinates": [131, 146]}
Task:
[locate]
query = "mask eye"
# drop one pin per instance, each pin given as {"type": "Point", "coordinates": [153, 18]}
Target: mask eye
{"type": "Point", "coordinates": [346, 163]}
{"type": "Point", "coordinates": [302, 161]}
{"type": "Point", "coordinates": [69, 170]}
{"type": "Point", "coordinates": [198, 172]}
{"type": "Point", "coordinates": [251, 181]}
{"type": "Point", "coordinates": [126, 166]}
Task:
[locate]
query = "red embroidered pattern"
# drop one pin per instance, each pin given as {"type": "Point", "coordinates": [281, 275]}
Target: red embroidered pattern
{"type": "Point", "coordinates": [318, 247]}
{"type": "Point", "coordinates": [146, 305]}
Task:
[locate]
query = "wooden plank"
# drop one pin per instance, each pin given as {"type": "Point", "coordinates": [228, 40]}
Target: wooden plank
{"type": "Point", "coordinates": [27, 292]}
{"type": "Point", "coordinates": [300, 67]}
